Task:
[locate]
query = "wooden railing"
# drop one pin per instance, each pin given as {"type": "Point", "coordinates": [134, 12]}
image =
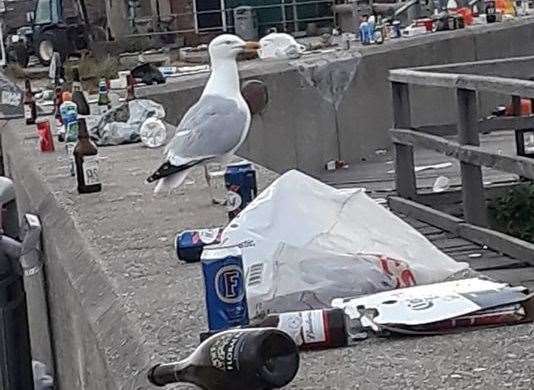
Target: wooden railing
{"type": "Point", "coordinates": [466, 149]}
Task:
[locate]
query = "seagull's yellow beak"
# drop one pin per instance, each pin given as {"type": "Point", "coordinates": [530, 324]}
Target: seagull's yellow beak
{"type": "Point", "coordinates": [251, 47]}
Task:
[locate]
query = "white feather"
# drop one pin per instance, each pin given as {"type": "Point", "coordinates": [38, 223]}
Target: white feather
{"type": "Point", "coordinates": [172, 181]}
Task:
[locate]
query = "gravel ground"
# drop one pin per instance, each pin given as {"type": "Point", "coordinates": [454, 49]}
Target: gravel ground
{"type": "Point", "coordinates": [131, 231]}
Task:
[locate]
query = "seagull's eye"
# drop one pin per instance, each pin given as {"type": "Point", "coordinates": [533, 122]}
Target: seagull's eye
{"type": "Point", "coordinates": [228, 42]}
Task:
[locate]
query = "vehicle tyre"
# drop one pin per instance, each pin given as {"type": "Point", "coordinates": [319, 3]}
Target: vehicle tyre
{"type": "Point", "coordinates": [48, 43]}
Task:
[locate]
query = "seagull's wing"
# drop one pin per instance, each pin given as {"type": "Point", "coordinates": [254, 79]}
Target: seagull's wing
{"type": "Point", "coordinates": [211, 128]}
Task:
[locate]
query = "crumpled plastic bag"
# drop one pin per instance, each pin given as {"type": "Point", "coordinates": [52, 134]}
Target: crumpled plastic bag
{"type": "Point", "coordinates": [310, 279]}
{"type": "Point", "coordinates": [122, 124]}
{"type": "Point", "coordinates": [280, 46]}
{"type": "Point", "coordinates": [330, 75]}
{"type": "Point", "coordinates": [318, 221]}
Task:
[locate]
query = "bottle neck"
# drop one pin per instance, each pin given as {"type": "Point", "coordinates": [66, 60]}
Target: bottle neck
{"type": "Point", "coordinates": [165, 374]}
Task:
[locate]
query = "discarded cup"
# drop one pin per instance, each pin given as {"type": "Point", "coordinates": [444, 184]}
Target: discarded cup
{"type": "Point", "coordinates": [153, 133]}
{"type": "Point", "coordinates": [441, 184]}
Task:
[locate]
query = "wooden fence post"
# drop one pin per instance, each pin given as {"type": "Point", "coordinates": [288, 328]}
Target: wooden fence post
{"type": "Point", "coordinates": [474, 202]}
{"type": "Point", "coordinates": [405, 181]}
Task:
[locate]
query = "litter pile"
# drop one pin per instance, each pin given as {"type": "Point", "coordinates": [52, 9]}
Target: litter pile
{"type": "Point", "coordinates": [331, 267]}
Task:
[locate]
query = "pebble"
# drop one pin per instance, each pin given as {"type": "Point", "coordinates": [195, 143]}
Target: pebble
{"type": "Point", "coordinates": [456, 376]}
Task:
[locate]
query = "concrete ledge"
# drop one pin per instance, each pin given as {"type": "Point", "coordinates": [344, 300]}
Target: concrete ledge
{"type": "Point", "coordinates": [298, 128]}
{"type": "Point", "coordinates": [91, 329]}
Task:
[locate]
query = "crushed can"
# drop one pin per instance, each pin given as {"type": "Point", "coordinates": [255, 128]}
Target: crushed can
{"type": "Point", "coordinates": [224, 285]}
{"type": "Point", "coordinates": [190, 243]}
{"type": "Point", "coordinates": [241, 187]}
{"type": "Point", "coordinates": [46, 141]}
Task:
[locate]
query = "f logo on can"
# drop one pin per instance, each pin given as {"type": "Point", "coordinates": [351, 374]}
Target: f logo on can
{"type": "Point", "coordinates": [229, 284]}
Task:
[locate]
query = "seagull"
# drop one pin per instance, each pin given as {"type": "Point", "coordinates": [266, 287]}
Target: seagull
{"type": "Point", "coordinates": [216, 125]}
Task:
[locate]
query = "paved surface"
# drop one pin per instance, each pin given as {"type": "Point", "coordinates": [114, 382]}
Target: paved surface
{"type": "Point", "coordinates": [130, 233]}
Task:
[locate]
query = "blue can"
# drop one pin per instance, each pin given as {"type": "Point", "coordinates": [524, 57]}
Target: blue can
{"type": "Point", "coordinates": [365, 33]}
{"type": "Point", "coordinates": [241, 187]}
{"type": "Point", "coordinates": [190, 243]}
{"type": "Point", "coordinates": [396, 29]}
{"type": "Point", "coordinates": [224, 285]}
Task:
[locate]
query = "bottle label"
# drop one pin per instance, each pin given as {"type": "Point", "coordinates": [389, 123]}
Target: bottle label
{"type": "Point", "coordinates": [28, 111]}
{"type": "Point", "coordinates": [305, 327]}
{"type": "Point", "coordinates": [233, 201]}
{"type": "Point", "coordinates": [69, 147]}
{"type": "Point", "coordinates": [224, 352]}
{"type": "Point", "coordinates": [90, 170]}
{"type": "Point", "coordinates": [208, 236]}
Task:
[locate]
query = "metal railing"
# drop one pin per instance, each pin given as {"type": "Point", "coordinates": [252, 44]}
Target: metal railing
{"type": "Point", "coordinates": [289, 17]}
{"type": "Point", "coordinates": [466, 149]}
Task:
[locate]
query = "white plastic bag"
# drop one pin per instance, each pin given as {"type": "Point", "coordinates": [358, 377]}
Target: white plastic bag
{"type": "Point", "coordinates": [310, 279]}
{"type": "Point", "coordinates": [305, 213]}
{"type": "Point", "coordinates": [280, 46]}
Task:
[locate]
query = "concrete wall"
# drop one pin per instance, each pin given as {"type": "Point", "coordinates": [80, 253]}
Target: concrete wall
{"type": "Point", "coordinates": [90, 330]}
{"type": "Point", "coordinates": [298, 127]}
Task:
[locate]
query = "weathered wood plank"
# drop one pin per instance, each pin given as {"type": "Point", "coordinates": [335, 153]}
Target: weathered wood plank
{"type": "Point", "coordinates": [508, 86]}
{"type": "Point", "coordinates": [514, 247]}
{"type": "Point", "coordinates": [424, 213]}
{"type": "Point", "coordinates": [490, 263]}
{"type": "Point", "coordinates": [485, 125]}
{"type": "Point", "coordinates": [405, 180]}
{"type": "Point", "coordinates": [452, 243]}
{"type": "Point", "coordinates": [474, 155]}
{"type": "Point", "coordinates": [474, 204]}
{"type": "Point", "coordinates": [433, 199]}
{"type": "Point", "coordinates": [505, 123]}
{"type": "Point", "coordinates": [511, 246]}
{"type": "Point", "coordinates": [514, 275]}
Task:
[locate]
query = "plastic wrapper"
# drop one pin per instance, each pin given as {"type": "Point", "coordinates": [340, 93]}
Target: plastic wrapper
{"type": "Point", "coordinates": [330, 75]}
{"type": "Point", "coordinates": [302, 281]}
{"type": "Point", "coordinates": [324, 222]}
{"type": "Point", "coordinates": [122, 124]}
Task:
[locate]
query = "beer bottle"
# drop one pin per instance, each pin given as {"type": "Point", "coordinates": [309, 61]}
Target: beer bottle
{"type": "Point", "coordinates": [30, 108]}
{"type": "Point", "coordinates": [104, 104]}
{"type": "Point", "coordinates": [78, 96]}
{"type": "Point", "coordinates": [85, 159]}
{"type": "Point", "coordinates": [243, 359]}
{"type": "Point", "coordinates": [58, 101]}
{"type": "Point", "coordinates": [312, 329]}
{"type": "Point", "coordinates": [130, 88]}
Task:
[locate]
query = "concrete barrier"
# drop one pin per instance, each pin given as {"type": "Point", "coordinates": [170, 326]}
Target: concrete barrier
{"type": "Point", "coordinates": [298, 128]}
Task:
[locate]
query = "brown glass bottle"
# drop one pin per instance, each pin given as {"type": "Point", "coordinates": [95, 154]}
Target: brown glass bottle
{"type": "Point", "coordinates": [78, 96]}
{"type": "Point", "coordinates": [58, 101]}
{"type": "Point", "coordinates": [30, 108]}
{"type": "Point", "coordinates": [241, 359]}
{"type": "Point", "coordinates": [312, 329]}
{"type": "Point", "coordinates": [85, 159]}
{"type": "Point", "coordinates": [130, 88]}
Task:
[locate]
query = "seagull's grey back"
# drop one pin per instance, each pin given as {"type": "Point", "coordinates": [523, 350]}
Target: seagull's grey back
{"type": "Point", "coordinates": [214, 126]}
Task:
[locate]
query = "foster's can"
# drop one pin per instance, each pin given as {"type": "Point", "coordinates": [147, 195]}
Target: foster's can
{"type": "Point", "coordinates": [224, 285]}
{"type": "Point", "coordinates": [189, 243]}
{"type": "Point", "coordinates": [241, 187]}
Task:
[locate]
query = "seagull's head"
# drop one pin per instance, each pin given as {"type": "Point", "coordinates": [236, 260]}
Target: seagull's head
{"type": "Point", "coordinates": [228, 46]}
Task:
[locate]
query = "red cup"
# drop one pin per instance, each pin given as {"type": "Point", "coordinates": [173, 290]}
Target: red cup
{"type": "Point", "coordinates": [46, 141]}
